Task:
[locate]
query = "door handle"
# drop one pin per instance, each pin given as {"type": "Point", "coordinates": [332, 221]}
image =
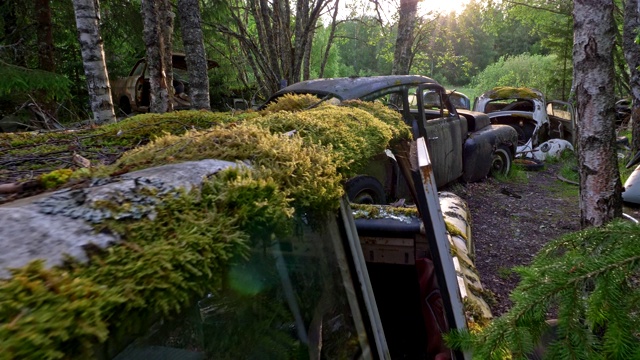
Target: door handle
{"type": "Point", "coordinates": [433, 138]}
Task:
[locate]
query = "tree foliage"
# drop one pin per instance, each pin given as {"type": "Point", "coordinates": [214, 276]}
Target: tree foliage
{"type": "Point", "coordinates": [535, 71]}
{"type": "Point", "coordinates": [589, 279]}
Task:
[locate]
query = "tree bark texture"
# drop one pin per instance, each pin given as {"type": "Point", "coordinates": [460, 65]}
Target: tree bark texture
{"type": "Point", "coordinates": [600, 185]}
{"type": "Point", "coordinates": [166, 17]}
{"type": "Point", "coordinates": [93, 59]}
{"type": "Point", "coordinates": [632, 55]}
{"type": "Point", "coordinates": [45, 36]}
{"type": "Point", "coordinates": [13, 34]}
{"type": "Point", "coordinates": [196, 57]}
{"type": "Point", "coordinates": [154, 43]}
{"type": "Point", "coordinates": [403, 54]}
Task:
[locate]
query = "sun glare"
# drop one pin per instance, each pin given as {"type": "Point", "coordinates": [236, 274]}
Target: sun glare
{"type": "Point", "coordinates": [442, 6]}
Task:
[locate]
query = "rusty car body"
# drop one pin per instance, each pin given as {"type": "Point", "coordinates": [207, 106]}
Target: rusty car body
{"type": "Point", "coordinates": [462, 144]}
{"type": "Point", "coordinates": [132, 93]}
{"type": "Point", "coordinates": [544, 128]}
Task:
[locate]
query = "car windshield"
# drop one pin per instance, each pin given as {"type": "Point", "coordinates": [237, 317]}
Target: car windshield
{"type": "Point", "coordinates": [292, 298]}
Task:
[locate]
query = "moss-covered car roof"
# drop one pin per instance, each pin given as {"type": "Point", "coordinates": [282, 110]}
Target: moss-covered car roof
{"type": "Point", "coordinates": [351, 88]}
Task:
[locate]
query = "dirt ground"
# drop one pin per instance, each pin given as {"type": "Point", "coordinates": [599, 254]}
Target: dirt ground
{"type": "Point", "coordinates": [513, 219]}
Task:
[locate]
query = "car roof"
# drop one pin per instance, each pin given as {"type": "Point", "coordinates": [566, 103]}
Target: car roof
{"type": "Point", "coordinates": [351, 87]}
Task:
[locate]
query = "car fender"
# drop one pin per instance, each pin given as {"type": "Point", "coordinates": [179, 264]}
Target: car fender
{"type": "Point", "coordinates": [479, 146]}
{"type": "Point", "coordinates": [550, 148]}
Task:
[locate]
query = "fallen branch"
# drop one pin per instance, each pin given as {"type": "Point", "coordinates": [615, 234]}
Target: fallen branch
{"type": "Point", "coordinates": [563, 179]}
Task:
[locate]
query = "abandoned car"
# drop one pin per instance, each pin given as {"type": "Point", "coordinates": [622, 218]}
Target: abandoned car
{"type": "Point", "coordinates": [132, 93]}
{"type": "Point", "coordinates": [457, 99]}
{"type": "Point", "coordinates": [544, 129]}
{"type": "Point", "coordinates": [462, 144]}
{"type": "Point", "coordinates": [371, 282]}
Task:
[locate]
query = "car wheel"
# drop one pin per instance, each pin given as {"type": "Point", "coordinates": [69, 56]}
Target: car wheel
{"type": "Point", "coordinates": [501, 161]}
{"type": "Point", "coordinates": [125, 106]}
{"type": "Point", "coordinates": [365, 190]}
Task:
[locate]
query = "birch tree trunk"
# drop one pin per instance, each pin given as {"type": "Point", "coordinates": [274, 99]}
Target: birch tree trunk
{"type": "Point", "coordinates": [196, 57]}
{"type": "Point", "coordinates": [632, 55]}
{"type": "Point", "coordinates": [600, 185]}
{"type": "Point", "coordinates": [154, 43]}
{"type": "Point", "coordinates": [403, 54]}
{"type": "Point", "coordinates": [95, 67]}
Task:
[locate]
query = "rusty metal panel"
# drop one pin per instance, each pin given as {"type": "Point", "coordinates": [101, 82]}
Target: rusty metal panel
{"type": "Point", "coordinates": [436, 233]}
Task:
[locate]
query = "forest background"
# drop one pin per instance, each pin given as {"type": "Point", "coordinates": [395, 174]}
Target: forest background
{"type": "Point", "coordinates": [478, 46]}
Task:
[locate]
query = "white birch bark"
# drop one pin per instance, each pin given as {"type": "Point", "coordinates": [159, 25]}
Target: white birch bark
{"type": "Point", "coordinates": [95, 68]}
{"type": "Point", "coordinates": [600, 185]}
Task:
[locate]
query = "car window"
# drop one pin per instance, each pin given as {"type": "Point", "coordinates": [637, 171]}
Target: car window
{"type": "Point", "coordinates": [140, 67]}
{"type": "Point", "coordinates": [391, 97]}
{"type": "Point", "coordinates": [509, 105]}
{"type": "Point", "coordinates": [291, 298]}
{"type": "Point", "coordinates": [459, 101]}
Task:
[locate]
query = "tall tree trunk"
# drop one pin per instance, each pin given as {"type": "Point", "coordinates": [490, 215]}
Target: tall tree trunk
{"type": "Point", "coordinates": [189, 12]}
{"type": "Point", "coordinates": [154, 43]}
{"type": "Point", "coordinates": [403, 55]}
{"type": "Point", "coordinates": [632, 54]}
{"type": "Point", "coordinates": [166, 17]}
{"type": "Point", "coordinates": [306, 63]}
{"type": "Point", "coordinates": [600, 185]}
{"type": "Point", "coordinates": [45, 36]}
{"type": "Point", "coordinates": [13, 39]}
{"type": "Point", "coordinates": [95, 67]}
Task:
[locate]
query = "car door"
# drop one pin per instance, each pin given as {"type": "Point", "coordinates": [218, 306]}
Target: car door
{"type": "Point", "coordinates": [442, 128]}
{"type": "Point", "coordinates": [561, 120]}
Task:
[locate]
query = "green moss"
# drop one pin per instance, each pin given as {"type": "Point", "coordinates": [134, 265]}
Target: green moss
{"type": "Point", "coordinates": [454, 231]}
{"type": "Point", "coordinates": [164, 263]}
{"type": "Point", "coordinates": [507, 92]}
{"type": "Point", "coordinates": [292, 103]}
{"type": "Point", "coordinates": [53, 150]}
{"type": "Point", "coordinates": [305, 172]}
{"type": "Point", "coordinates": [354, 135]}
{"type": "Point", "coordinates": [55, 178]}
{"type": "Point", "coordinates": [160, 266]}
{"type": "Point", "coordinates": [364, 211]}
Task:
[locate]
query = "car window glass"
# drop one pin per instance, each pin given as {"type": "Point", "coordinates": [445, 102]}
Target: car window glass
{"type": "Point", "coordinates": [292, 298]}
{"type": "Point", "coordinates": [139, 69]}
{"type": "Point", "coordinates": [391, 97]}
{"type": "Point", "coordinates": [509, 105]}
{"type": "Point", "coordinates": [559, 110]}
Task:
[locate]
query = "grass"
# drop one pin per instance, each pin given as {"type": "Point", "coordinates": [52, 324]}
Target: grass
{"type": "Point", "coordinates": [505, 272]}
{"type": "Point", "coordinates": [516, 174]}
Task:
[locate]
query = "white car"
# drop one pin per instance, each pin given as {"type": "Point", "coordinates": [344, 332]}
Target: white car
{"type": "Point", "coordinates": [544, 129]}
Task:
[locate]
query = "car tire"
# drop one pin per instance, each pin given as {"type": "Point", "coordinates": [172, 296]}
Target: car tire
{"type": "Point", "coordinates": [365, 190]}
{"type": "Point", "coordinates": [501, 161]}
{"type": "Point", "coordinates": [125, 106]}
